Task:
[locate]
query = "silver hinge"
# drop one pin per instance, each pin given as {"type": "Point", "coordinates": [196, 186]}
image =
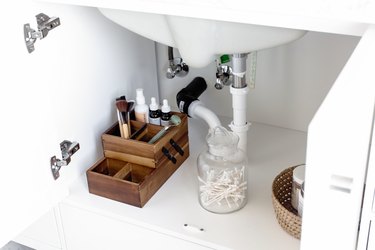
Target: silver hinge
{"type": "Point", "coordinates": [68, 148]}
{"type": "Point", "coordinates": [45, 24]}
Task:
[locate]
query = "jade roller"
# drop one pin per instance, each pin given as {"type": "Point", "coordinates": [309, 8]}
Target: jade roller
{"type": "Point", "coordinates": [174, 121]}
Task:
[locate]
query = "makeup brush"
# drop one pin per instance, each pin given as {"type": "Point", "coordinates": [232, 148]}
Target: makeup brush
{"type": "Point", "coordinates": [130, 115]}
{"type": "Point", "coordinates": [122, 107]}
{"type": "Point", "coordinates": [120, 122]}
{"type": "Point", "coordinates": [119, 116]}
{"type": "Point", "coordinates": [121, 98]}
{"type": "Point", "coordinates": [131, 105]}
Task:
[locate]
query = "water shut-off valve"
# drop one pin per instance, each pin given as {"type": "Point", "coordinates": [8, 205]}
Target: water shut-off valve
{"type": "Point", "coordinates": [225, 75]}
{"type": "Point", "coordinates": [223, 72]}
{"type": "Point", "coordinates": [176, 67]}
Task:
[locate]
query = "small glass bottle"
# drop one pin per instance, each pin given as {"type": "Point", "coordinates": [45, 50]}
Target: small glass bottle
{"type": "Point", "coordinates": [222, 173]}
{"type": "Point", "coordinates": [154, 112]}
{"type": "Point", "coordinates": [165, 113]}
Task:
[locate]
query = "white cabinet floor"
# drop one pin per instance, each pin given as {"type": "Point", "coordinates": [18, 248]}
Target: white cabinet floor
{"type": "Point", "coordinates": [271, 149]}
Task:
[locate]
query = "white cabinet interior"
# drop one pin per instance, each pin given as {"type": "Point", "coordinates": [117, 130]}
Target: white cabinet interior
{"type": "Point", "coordinates": [89, 74]}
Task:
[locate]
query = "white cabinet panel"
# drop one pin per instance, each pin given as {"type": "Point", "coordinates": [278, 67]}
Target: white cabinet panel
{"type": "Point", "coordinates": [27, 189]}
{"type": "Point", "coordinates": [87, 230]}
{"type": "Point", "coordinates": [366, 236]}
{"type": "Point", "coordinates": [64, 90]}
{"type": "Point", "coordinates": [337, 154]}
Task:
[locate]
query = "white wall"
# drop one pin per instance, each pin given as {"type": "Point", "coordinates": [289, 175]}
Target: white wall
{"type": "Point", "coordinates": [291, 80]}
{"type": "Point", "coordinates": [65, 89]}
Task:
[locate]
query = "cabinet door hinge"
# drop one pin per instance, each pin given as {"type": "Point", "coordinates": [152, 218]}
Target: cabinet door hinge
{"type": "Point", "coordinates": [45, 24]}
{"type": "Point", "coordinates": [68, 148]}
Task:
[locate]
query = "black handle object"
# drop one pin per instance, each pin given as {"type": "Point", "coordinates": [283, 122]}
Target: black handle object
{"type": "Point", "coordinates": [190, 93]}
{"type": "Point", "coordinates": [168, 155]}
{"type": "Point", "coordinates": [177, 147]}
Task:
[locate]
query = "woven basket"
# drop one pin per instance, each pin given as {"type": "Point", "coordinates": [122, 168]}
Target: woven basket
{"type": "Point", "coordinates": [286, 215]}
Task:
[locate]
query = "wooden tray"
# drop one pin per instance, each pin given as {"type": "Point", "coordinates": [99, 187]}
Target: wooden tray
{"type": "Point", "coordinates": [137, 150]}
{"type": "Point", "coordinates": [129, 182]}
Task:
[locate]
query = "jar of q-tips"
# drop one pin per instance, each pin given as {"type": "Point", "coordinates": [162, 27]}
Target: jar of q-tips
{"type": "Point", "coordinates": [222, 173]}
{"type": "Point", "coordinates": [298, 179]}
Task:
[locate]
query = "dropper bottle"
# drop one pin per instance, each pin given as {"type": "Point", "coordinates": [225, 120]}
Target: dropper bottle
{"type": "Point", "coordinates": [165, 113]}
{"type": "Point", "coordinates": [141, 108]}
{"type": "Point", "coordinates": [154, 112]}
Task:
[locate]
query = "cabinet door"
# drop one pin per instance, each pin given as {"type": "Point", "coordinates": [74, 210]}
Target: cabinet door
{"type": "Point", "coordinates": [366, 238]}
{"type": "Point", "coordinates": [28, 132]}
{"type": "Point", "coordinates": [64, 90]}
{"type": "Point", "coordinates": [338, 147]}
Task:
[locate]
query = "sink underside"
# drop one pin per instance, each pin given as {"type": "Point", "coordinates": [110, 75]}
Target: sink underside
{"type": "Point", "coordinates": [199, 41]}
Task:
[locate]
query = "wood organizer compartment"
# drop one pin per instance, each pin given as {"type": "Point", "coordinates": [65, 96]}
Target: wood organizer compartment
{"type": "Point", "coordinates": [139, 151]}
{"type": "Point", "coordinates": [132, 170]}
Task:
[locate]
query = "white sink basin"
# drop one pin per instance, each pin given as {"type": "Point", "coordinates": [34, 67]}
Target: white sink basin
{"type": "Point", "coordinates": [199, 40]}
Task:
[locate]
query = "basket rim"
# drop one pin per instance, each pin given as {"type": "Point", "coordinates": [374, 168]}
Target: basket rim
{"type": "Point", "coordinates": [283, 172]}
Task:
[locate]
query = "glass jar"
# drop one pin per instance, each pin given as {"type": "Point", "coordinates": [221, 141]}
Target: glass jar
{"type": "Point", "coordinates": [222, 173]}
{"type": "Point", "coordinates": [298, 179]}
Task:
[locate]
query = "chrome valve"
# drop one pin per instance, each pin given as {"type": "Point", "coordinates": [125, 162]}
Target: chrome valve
{"type": "Point", "coordinates": [223, 75]}
{"type": "Point", "coordinates": [176, 67]}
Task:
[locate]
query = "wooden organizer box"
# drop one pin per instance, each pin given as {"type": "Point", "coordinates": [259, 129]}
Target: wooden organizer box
{"type": "Point", "coordinates": [139, 151]}
{"type": "Point", "coordinates": [132, 170]}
